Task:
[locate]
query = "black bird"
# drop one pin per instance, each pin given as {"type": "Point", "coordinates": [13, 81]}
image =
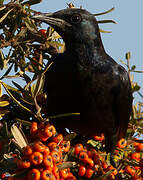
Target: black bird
{"type": "Point", "coordinates": [86, 80]}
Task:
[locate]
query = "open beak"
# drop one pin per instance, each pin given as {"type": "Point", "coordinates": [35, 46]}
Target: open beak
{"type": "Point", "coordinates": [53, 21]}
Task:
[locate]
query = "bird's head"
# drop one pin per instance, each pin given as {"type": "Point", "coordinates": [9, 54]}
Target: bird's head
{"type": "Point", "coordinates": [76, 25]}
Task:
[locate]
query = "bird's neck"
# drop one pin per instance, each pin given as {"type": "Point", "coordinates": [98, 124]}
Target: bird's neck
{"type": "Point", "coordinates": [86, 52]}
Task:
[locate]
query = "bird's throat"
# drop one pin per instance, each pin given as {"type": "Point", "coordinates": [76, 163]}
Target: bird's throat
{"type": "Point", "coordinates": [85, 53]}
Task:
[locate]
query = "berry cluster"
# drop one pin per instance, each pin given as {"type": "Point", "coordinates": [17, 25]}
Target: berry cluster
{"type": "Point", "coordinates": [43, 158]}
{"type": "Point", "coordinates": [48, 156]}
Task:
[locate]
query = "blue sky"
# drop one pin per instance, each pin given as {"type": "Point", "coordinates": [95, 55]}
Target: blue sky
{"type": "Point", "coordinates": [126, 34]}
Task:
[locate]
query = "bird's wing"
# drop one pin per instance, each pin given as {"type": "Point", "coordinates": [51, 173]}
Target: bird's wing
{"type": "Point", "coordinates": [123, 102]}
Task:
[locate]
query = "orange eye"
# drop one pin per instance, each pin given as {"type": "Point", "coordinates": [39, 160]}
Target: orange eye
{"type": "Point", "coordinates": [76, 18]}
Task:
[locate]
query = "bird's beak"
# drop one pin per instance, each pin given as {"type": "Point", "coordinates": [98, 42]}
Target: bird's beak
{"type": "Point", "coordinates": [49, 19]}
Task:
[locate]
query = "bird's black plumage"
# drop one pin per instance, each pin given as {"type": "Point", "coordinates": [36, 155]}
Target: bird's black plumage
{"type": "Point", "coordinates": [86, 79]}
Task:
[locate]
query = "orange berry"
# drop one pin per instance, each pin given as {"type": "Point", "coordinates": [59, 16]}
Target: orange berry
{"type": "Point", "coordinates": [89, 162]}
{"type": "Point", "coordinates": [139, 147]}
{"type": "Point", "coordinates": [81, 170]}
{"type": "Point", "coordinates": [48, 161]}
{"type": "Point", "coordinates": [53, 146]}
{"type": "Point", "coordinates": [122, 143]}
{"type": "Point", "coordinates": [36, 158]}
{"type": "Point", "coordinates": [115, 172]}
{"type": "Point", "coordinates": [47, 175]}
{"type": "Point", "coordinates": [70, 177]}
{"type": "Point", "coordinates": [46, 151]}
{"type": "Point", "coordinates": [136, 156]}
{"type": "Point", "coordinates": [39, 146]}
{"type": "Point", "coordinates": [78, 148]}
{"type": "Point", "coordinates": [43, 32]}
{"type": "Point", "coordinates": [135, 144]}
{"type": "Point", "coordinates": [130, 170]}
{"type": "Point", "coordinates": [5, 175]}
{"type": "Point", "coordinates": [64, 173]}
{"type": "Point", "coordinates": [89, 173]}
{"type": "Point", "coordinates": [57, 139]}
{"type": "Point", "coordinates": [104, 165]}
{"type": "Point", "coordinates": [34, 128]}
{"type": "Point", "coordinates": [65, 146]}
{"type": "Point", "coordinates": [28, 150]}
{"type": "Point", "coordinates": [41, 135]}
{"type": "Point", "coordinates": [99, 138]}
{"type": "Point", "coordinates": [23, 164]}
{"type": "Point", "coordinates": [49, 131]}
{"type": "Point", "coordinates": [83, 156]}
{"type": "Point", "coordinates": [55, 171]}
{"type": "Point", "coordinates": [34, 174]}
{"type": "Point", "coordinates": [137, 167]}
{"type": "Point", "coordinates": [55, 156]}
{"type": "Point", "coordinates": [91, 153]}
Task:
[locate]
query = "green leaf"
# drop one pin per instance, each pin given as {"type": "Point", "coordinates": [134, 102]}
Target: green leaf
{"type": "Point", "coordinates": [32, 2]}
{"type": "Point", "coordinates": [94, 143]}
{"type": "Point", "coordinates": [106, 21]}
{"type": "Point", "coordinates": [70, 136]}
{"type": "Point", "coordinates": [67, 164]}
{"type": "Point", "coordinates": [4, 103]}
{"type": "Point", "coordinates": [30, 25]}
{"type": "Point", "coordinates": [18, 86]}
{"type": "Point", "coordinates": [133, 68]}
{"type": "Point", "coordinates": [138, 71]}
{"type": "Point", "coordinates": [128, 55]}
{"type": "Point", "coordinates": [3, 112]}
{"type": "Point", "coordinates": [129, 131]}
{"type": "Point", "coordinates": [7, 72]}
{"type": "Point", "coordinates": [26, 78]}
{"type": "Point", "coordinates": [27, 97]}
{"type": "Point", "coordinates": [105, 175]}
{"type": "Point", "coordinates": [15, 100]}
{"type": "Point", "coordinates": [39, 85]}
{"type": "Point", "coordinates": [136, 87]}
{"type": "Point", "coordinates": [10, 88]}
{"type": "Point", "coordinates": [122, 62]}
{"type": "Point", "coordinates": [27, 123]}
{"type": "Point", "coordinates": [1, 60]}
{"type": "Point", "coordinates": [37, 63]}
{"type": "Point", "coordinates": [103, 31]}
{"type": "Point", "coordinates": [64, 115]}
{"type": "Point", "coordinates": [105, 12]}
{"type": "Point", "coordinates": [0, 90]}
{"type": "Point", "coordinates": [3, 18]}
{"type": "Point", "coordinates": [2, 7]}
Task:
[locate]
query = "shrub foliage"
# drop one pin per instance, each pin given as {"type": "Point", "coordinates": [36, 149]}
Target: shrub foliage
{"type": "Point", "coordinates": [30, 147]}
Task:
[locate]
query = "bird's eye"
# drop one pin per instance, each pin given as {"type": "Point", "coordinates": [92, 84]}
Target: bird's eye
{"type": "Point", "coordinates": [76, 18]}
